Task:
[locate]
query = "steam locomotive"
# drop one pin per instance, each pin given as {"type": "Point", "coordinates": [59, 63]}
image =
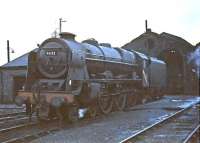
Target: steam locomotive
{"type": "Point", "coordinates": [65, 75]}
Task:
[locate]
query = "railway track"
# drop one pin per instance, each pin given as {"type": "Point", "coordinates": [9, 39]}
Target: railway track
{"type": "Point", "coordinates": [148, 133]}
{"type": "Point", "coordinates": [27, 131]}
{"type": "Point", "coordinates": [13, 121]}
{"type": "Point", "coordinates": [30, 131]}
{"type": "Point", "coordinates": [12, 114]}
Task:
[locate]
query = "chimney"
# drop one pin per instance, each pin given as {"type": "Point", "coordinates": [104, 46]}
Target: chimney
{"type": "Point", "coordinates": [67, 36]}
{"type": "Point", "coordinates": [146, 25]}
{"type": "Point", "coordinates": [8, 51]}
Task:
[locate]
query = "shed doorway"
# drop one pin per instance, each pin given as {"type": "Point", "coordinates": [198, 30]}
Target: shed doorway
{"type": "Point", "coordinates": [175, 70]}
{"type": "Point", "coordinates": [18, 83]}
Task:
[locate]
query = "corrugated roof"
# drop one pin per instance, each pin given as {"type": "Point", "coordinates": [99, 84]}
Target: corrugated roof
{"type": "Point", "coordinates": [21, 61]}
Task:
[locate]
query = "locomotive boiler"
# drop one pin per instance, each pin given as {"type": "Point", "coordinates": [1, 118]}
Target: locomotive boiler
{"type": "Point", "coordinates": [65, 75]}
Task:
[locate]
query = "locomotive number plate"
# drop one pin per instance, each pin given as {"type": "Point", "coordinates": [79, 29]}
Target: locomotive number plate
{"type": "Point", "coordinates": [51, 53]}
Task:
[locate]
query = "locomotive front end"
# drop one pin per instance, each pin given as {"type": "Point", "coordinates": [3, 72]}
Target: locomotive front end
{"type": "Point", "coordinates": [53, 64]}
{"type": "Point", "coordinates": [46, 78]}
{"type": "Point", "coordinates": [52, 58]}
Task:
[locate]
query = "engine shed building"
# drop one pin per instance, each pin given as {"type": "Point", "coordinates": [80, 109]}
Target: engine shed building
{"type": "Point", "coordinates": [12, 78]}
{"type": "Point", "coordinates": [174, 51]}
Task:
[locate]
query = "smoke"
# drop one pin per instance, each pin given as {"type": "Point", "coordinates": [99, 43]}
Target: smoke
{"type": "Point", "coordinates": [194, 59]}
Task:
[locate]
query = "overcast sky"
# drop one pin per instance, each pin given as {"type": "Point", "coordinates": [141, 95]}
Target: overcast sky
{"type": "Point", "coordinates": [28, 22]}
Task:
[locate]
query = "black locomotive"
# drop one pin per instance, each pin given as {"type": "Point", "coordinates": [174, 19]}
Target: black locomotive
{"type": "Point", "coordinates": [65, 75]}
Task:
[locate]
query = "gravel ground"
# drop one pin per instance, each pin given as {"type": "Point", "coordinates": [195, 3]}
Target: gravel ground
{"type": "Point", "coordinates": [119, 125]}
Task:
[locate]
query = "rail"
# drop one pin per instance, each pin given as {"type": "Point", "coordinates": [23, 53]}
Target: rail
{"type": "Point", "coordinates": [187, 139]}
{"type": "Point", "coordinates": [128, 139]}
